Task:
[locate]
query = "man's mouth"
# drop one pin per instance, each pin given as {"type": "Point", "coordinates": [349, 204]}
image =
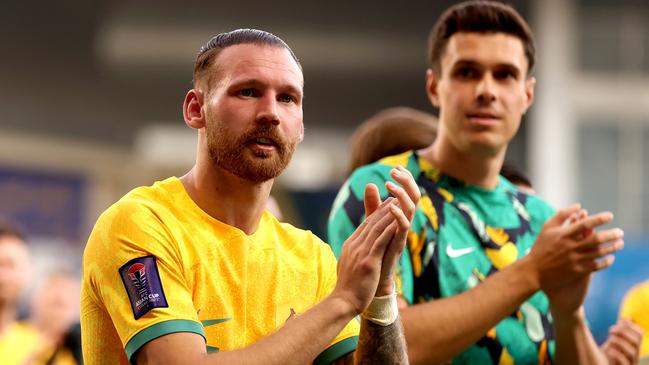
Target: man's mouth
{"type": "Point", "coordinates": [483, 119]}
{"type": "Point", "coordinates": [263, 143]}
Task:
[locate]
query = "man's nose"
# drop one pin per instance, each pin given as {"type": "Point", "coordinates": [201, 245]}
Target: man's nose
{"type": "Point", "coordinates": [267, 110]}
{"type": "Point", "coordinates": [485, 92]}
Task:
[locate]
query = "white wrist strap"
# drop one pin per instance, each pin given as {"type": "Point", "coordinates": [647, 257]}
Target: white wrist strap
{"type": "Point", "coordinates": [382, 310]}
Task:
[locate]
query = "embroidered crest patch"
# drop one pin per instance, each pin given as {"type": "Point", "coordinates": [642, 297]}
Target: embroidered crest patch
{"type": "Point", "coordinates": [142, 282]}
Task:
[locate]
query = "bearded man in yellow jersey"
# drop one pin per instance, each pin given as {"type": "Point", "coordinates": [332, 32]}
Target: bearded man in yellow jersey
{"type": "Point", "coordinates": [193, 270]}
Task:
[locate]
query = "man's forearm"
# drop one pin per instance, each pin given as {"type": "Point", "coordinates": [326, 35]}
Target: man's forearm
{"type": "Point", "coordinates": [381, 344]}
{"type": "Point", "coordinates": [575, 343]}
{"type": "Point", "coordinates": [438, 330]}
{"type": "Point", "coordinates": [298, 342]}
{"type": "Point", "coordinates": [302, 338]}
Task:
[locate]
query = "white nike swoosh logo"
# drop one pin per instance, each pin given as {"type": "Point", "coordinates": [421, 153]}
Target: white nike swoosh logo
{"type": "Point", "coordinates": [453, 253]}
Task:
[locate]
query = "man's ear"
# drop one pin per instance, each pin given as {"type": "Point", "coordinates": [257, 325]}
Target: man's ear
{"type": "Point", "coordinates": [301, 133]}
{"type": "Point", "coordinates": [193, 109]}
{"type": "Point", "coordinates": [530, 83]}
{"type": "Point", "coordinates": [432, 80]}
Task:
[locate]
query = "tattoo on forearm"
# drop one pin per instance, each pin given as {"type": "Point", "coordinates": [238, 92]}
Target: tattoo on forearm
{"type": "Point", "coordinates": [381, 345]}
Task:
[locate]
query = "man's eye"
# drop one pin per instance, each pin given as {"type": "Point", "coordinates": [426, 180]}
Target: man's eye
{"type": "Point", "coordinates": [246, 92]}
{"type": "Point", "coordinates": [286, 98]}
{"type": "Point", "coordinates": [504, 75]}
{"type": "Point", "coordinates": [466, 72]}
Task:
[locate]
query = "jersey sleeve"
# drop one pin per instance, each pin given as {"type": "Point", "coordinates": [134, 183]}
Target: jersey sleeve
{"type": "Point", "coordinates": [135, 272]}
{"type": "Point", "coordinates": [348, 212]}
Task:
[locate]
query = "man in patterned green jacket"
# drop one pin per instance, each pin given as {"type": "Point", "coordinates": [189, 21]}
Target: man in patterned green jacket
{"type": "Point", "coordinates": [491, 275]}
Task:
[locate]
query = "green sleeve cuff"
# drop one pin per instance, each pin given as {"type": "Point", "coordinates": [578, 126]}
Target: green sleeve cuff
{"type": "Point", "coordinates": [158, 330]}
{"type": "Point", "coordinates": [336, 351]}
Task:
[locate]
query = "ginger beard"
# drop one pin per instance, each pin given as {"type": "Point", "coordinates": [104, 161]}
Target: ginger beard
{"type": "Point", "coordinates": [228, 151]}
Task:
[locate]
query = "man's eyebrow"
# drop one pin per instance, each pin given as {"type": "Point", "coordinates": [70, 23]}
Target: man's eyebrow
{"type": "Point", "coordinates": [472, 63]}
{"type": "Point", "coordinates": [467, 63]}
{"type": "Point", "coordinates": [256, 82]}
{"type": "Point", "coordinates": [248, 82]}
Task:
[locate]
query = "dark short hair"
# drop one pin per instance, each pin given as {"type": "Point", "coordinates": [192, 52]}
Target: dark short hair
{"type": "Point", "coordinates": [208, 52]}
{"type": "Point", "coordinates": [479, 16]}
{"type": "Point", "coordinates": [10, 230]}
{"type": "Point", "coordinates": [389, 132]}
{"type": "Point", "coordinates": [515, 175]}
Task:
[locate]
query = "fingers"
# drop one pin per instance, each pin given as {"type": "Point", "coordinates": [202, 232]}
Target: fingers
{"type": "Point", "coordinates": [376, 223]}
{"type": "Point", "coordinates": [400, 217]}
{"type": "Point", "coordinates": [597, 249]}
{"type": "Point", "coordinates": [604, 263]}
{"type": "Point", "coordinates": [599, 241]}
{"type": "Point", "coordinates": [371, 199]}
{"type": "Point", "coordinates": [399, 239]}
{"type": "Point", "coordinates": [615, 356]}
{"type": "Point", "coordinates": [374, 235]}
{"type": "Point", "coordinates": [408, 194]}
{"type": "Point", "coordinates": [623, 351]}
{"type": "Point", "coordinates": [588, 223]}
{"type": "Point", "coordinates": [404, 177]}
{"type": "Point", "coordinates": [562, 214]}
{"type": "Point", "coordinates": [381, 242]}
{"type": "Point", "coordinates": [363, 229]}
{"type": "Point", "coordinates": [628, 330]}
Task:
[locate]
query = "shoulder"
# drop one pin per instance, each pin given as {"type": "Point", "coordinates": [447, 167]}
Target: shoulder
{"type": "Point", "coordinates": [25, 332]}
{"type": "Point", "coordinates": [379, 172]}
{"type": "Point", "coordinates": [639, 292]}
{"type": "Point", "coordinates": [140, 204]}
{"type": "Point", "coordinates": [130, 224]}
{"type": "Point", "coordinates": [635, 303]}
{"type": "Point", "coordinates": [538, 208]}
{"type": "Point", "coordinates": [295, 242]}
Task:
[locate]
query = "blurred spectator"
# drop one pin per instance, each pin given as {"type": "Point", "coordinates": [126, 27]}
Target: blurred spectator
{"type": "Point", "coordinates": [517, 177]}
{"type": "Point", "coordinates": [390, 132]}
{"type": "Point", "coordinates": [635, 308]}
{"type": "Point", "coordinates": [24, 343]}
{"type": "Point", "coordinates": [54, 312]}
{"type": "Point", "coordinates": [17, 340]}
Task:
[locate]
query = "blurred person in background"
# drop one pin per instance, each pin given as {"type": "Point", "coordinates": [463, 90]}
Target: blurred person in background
{"type": "Point", "coordinates": [18, 340]}
{"type": "Point", "coordinates": [480, 252]}
{"type": "Point", "coordinates": [195, 270]}
{"type": "Point", "coordinates": [517, 177]}
{"type": "Point", "coordinates": [54, 312]}
{"type": "Point", "coordinates": [635, 311]}
{"type": "Point", "coordinates": [390, 132]}
{"type": "Point", "coordinates": [39, 342]}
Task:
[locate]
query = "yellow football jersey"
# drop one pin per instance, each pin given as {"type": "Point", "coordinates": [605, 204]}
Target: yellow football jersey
{"type": "Point", "coordinates": [156, 264]}
{"type": "Point", "coordinates": [635, 307]}
{"type": "Point", "coordinates": [19, 343]}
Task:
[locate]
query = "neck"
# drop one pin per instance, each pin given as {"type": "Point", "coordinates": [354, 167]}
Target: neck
{"type": "Point", "coordinates": [481, 169]}
{"type": "Point", "coordinates": [227, 197]}
{"type": "Point", "coordinates": [7, 317]}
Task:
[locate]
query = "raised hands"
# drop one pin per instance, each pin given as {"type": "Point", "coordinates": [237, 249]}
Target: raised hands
{"type": "Point", "coordinates": [622, 346]}
{"type": "Point", "coordinates": [568, 250]}
{"type": "Point", "coordinates": [366, 263]}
